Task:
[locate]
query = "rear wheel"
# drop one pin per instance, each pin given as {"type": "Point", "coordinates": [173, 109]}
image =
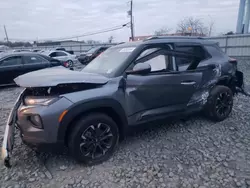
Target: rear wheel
{"type": "Point", "coordinates": [93, 139]}
{"type": "Point", "coordinates": [70, 62]}
{"type": "Point", "coordinates": [219, 104]}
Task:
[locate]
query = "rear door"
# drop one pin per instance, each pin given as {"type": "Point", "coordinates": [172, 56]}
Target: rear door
{"type": "Point", "coordinates": [62, 56]}
{"type": "Point", "coordinates": [34, 62]}
{"type": "Point", "coordinates": [161, 92]}
{"type": "Point", "coordinates": [10, 68]}
{"type": "Point", "coordinates": [191, 48]}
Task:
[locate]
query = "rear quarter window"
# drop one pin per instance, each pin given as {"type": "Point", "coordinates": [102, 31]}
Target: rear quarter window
{"type": "Point", "coordinates": [214, 50]}
{"type": "Point", "coordinates": [195, 50]}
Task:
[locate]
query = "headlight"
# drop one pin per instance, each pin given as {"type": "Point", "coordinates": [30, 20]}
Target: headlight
{"type": "Point", "coordinates": [40, 100]}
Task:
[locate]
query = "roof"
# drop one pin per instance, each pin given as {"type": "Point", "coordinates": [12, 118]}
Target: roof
{"type": "Point", "coordinates": [168, 39]}
{"type": "Point", "coordinates": [9, 53]}
{"type": "Point", "coordinates": [46, 52]}
{"type": "Point", "coordinates": [128, 44]}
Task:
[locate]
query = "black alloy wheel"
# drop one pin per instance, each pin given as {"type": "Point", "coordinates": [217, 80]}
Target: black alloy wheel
{"type": "Point", "coordinates": [224, 104]}
{"type": "Point", "coordinates": [93, 138]}
{"type": "Point", "coordinates": [219, 103]}
{"type": "Point", "coordinates": [96, 140]}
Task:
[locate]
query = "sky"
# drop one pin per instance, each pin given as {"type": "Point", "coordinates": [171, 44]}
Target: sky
{"type": "Point", "coordinates": [51, 19]}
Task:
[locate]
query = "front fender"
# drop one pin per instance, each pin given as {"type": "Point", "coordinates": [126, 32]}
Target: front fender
{"type": "Point", "coordinates": [82, 107]}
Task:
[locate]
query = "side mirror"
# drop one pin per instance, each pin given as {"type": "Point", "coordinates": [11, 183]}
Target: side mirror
{"type": "Point", "coordinates": [140, 68]}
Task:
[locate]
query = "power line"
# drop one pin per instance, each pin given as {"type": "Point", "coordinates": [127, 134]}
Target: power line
{"type": "Point", "coordinates": [82, 35]}
{"type": "Point", "coordinates": [96, 32]}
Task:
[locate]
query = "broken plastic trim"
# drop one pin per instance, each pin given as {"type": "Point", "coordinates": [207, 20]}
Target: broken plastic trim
{"type": "Point", "coordinates": [199, 97]}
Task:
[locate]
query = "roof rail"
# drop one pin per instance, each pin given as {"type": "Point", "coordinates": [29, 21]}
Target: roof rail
{"type": "Point", "coordinates": [173, 37]}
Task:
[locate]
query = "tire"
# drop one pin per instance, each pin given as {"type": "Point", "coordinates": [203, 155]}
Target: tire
{"type": "Point", "coordinates": [219, 104]}
{"type": "Point", "coordinates": [70, 62]}
{"type": "Point", "coordinates": [81, 136]}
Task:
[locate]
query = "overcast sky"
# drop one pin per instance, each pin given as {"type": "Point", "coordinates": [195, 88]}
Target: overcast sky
{"type": "Point", "coordinates": [43, 19]}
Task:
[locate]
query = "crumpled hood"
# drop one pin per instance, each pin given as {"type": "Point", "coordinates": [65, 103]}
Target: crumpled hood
{"type": "Point", "coordinates": [58, 75]}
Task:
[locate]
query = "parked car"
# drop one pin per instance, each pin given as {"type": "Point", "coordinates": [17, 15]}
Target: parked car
{"type": "Point", "coordinates": [63, 56]}
{"type": "Point", "coordinates": [36, 50]}
{"type": "Point", "coordinates": [85, 58]}
{"type": "Point", "coordinates": [18, 63]}
{"type": "Point", "coordinates": [129, 84]}
{"type": "Point", "coordinates": [63, 49]}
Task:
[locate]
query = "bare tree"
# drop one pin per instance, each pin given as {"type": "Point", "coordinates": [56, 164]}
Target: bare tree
{"type": "Point", "coordinates": [162, 31]}
{"type": "Point", "coordinates": [210, 28]}
{"type": "Point", "coordinates": [192, 26]}
{"type": "Point", "coordinates": [110, 39]}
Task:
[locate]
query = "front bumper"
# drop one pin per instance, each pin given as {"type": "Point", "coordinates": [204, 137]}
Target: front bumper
{"type": "Point", "coordinates": [8, 140]}
{"type": "Point", "coordinates": [43, 139]}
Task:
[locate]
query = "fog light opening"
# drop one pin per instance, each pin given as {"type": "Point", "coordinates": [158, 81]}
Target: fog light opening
{"type": "Point", "coordinates": [36, 121]}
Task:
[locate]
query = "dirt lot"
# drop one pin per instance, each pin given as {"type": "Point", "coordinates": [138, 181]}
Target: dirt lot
{"type": "Point", "coordinates": [195, 153]}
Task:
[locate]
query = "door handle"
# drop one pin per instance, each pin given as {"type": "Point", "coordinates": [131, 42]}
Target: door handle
{"type": "Point", "coordinates": [188, 82]}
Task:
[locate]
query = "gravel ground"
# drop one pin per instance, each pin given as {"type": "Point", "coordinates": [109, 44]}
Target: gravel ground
{"type": "Point", "coordinates": [196, 153]}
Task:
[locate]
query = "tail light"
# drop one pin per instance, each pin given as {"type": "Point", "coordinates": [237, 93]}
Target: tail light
{"type": "Point", "coordinates": [232, 60]}
{"type": "Point", "coordinates": [234, 64]}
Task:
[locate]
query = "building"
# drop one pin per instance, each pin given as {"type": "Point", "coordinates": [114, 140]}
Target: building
{"type": "Point", "coordinates": [3, 47]}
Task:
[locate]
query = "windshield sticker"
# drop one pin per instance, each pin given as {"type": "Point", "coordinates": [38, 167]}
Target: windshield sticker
{"type": "Point", "coordinates": [109, 71]}
{"type": "Point", "coordinates": [130, 49]}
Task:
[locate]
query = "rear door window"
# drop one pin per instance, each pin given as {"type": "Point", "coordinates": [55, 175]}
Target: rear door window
{"type": "Point", "coordinates": [33, 59]}
{"type": "Point", "coordinates": [215, 50]}
{"type": "Point", "coordinates": [11, 61]}
{"type": "Point", "coordinates": [184, 62]}
{"type": "Point", "coordinates": [58, 54]}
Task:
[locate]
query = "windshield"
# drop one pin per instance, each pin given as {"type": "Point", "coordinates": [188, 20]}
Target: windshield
{"type": "Point", "coordinates": [92, 50]}
{"type": "Point", "coordinates": [107, 62]}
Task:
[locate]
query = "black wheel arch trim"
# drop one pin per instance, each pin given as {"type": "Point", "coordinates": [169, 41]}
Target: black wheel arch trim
{"type": "Point", "coordinates": [82, 107]}
{"type": "Point", "coordinates": [229, 81]}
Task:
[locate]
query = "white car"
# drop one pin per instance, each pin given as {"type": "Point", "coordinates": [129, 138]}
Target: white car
{"type": "Point", "coordinates": [63, 56]}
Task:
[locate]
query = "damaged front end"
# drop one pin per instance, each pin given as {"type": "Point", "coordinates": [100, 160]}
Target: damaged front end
{"type": "Point", "coordinates": [8, 140]}
{"type": "Point", "coordinates": [35, 96]}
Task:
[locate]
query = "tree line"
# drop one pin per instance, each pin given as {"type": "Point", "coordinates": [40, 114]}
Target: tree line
{"type": "Point", "coordinates": [191, 26]}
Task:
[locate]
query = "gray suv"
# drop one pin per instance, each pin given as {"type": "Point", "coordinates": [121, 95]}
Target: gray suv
{"type": "Point", "coordinates": [129, 84]}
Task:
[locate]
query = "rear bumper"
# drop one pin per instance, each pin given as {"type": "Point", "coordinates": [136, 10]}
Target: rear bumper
{"type": "Point", "coordinates": [238, 83]}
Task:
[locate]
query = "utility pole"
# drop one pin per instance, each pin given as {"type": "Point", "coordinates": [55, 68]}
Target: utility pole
{"type": "Point", "coordinates": [6, 34]}
{"type": "Point", "coordinates": [130, 13]}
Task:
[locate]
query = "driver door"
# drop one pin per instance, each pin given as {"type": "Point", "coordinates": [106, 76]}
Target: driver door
{"type": "Point", "coordinates": [161, 92]}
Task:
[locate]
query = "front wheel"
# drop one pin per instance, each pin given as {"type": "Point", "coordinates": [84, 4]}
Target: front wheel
{"type": "Point", "coordinates": [220, 103]}
{"type": "Point", "coordinates": [93, 139]}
